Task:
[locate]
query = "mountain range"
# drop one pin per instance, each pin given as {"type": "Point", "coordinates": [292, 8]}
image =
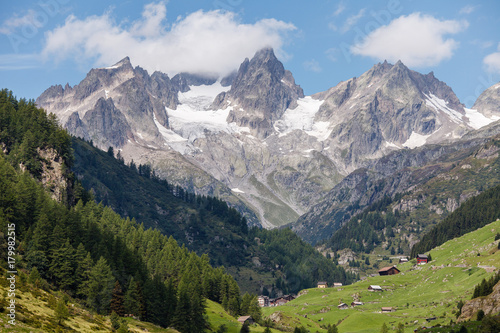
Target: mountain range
{"type": "Point", "coordinates": [253, 139]}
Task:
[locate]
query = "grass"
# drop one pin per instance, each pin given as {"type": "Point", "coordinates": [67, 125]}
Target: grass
{"type": "Point", "coordinates": [33, 314]}
{"type": "Point", "coordinates": [417, 294]}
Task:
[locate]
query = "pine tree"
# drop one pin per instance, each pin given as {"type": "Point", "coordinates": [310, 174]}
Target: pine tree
{"type": "Point", "coordinates": [61, 312]}
{"type": "Point", "coordinates": [131, 299]}
{"type": "Point", "coordinates": [171, 302]}
{"type": "Point", "coordinates": [34, 278]}
{"type": "Point", "coordinates": [117, 300]}
{"type": "Point", "coordinates": [115, 321]}
{"type": "Point", "coordinates": [245, 328]}
{"type": "Point", "coordinates": [82, 273]}
{"type": "Point", "coordinates": [332, 328]}
{"type": "Point", "coordinates": [384, 329]}
{"type": "Point", "coordinates": [100, 287]}
{"type": "Point", "coordinates": [62, 267]}
{"type": "Point", "coordinates": [182, 317]}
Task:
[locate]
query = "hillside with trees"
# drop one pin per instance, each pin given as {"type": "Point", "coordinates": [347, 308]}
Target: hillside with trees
{"type": "Point", "coordinates": [87, 250]}
{"type": "Point", "coordinates": [271, 262]}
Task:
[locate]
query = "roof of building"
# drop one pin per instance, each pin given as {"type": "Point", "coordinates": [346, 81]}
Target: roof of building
{"type": "Point", "coordinates": [342, 305]}
{"type": "Point", "coordinates": [422, 256]}
{"type": "Point", "coordinates": [385, 269]}
{"type": "Point", "coordinates": [322, 282]}
{"type": "Point", "coordinates": [387, 308]}
{"type": "Point", "coordinates": [374, 286]}
{"type": "Point", "coordinates": [242, 319]}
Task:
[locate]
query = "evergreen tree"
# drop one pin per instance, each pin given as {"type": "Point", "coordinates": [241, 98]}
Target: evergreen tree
{"type": "Point", "coordinates": [62, 267]}
{"type": "Point", "coordinates": [34, 278]}
{"type": "Point", "coordinates": [384, 329]}
{"type": "Point", "coordinates": [245, 328]}
{"type": "Point", "coordinates": [117, 300]}
{"type": "Point", "coordinates": [131, 300]}
{"type": "Point", "coordinates": [401, 328]}
{"type": "Point", "coordinates": [115, 321]}
{"type": "Point", "coordinates": [332, 328]}
{"type": "Point", "coordinates": [61, 312]}
{"type": "Point", "coordinates": [100, 287]}
{"type": "Point", "coordinates": [182, 320]}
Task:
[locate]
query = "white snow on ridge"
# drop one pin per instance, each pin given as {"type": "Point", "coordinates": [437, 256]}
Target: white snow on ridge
{"type": "Point", "coordinates": [478, 120]}
{"type": "Point", "coordinates": [440, 105]}
{"type": "Point", "coordinates": [416, 140]}
{"type": "Point", "coordinates": [302, 118]}
{"type": "Point", "coordinates": [237, 190]}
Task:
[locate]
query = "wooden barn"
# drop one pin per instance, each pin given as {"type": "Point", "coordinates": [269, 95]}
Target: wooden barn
{"type": "Point", "coordinates": [389, 271]}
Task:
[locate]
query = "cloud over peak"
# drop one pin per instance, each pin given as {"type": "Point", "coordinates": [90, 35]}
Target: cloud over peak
{"type": "Point", "coordinates": [202, 42]}
{"type": "Point", "coordinates": [418, 40]}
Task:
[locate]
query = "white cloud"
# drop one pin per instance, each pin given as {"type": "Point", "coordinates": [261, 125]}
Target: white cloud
{"type": "Point", "coordinates": [492, 61]}
{"type": "Point", "coordinates": [312, 65]}
{"type": "Point", "coordinates": [202, 42]}
{"type": "Point", "coordinates": [352, 20]}
{"type": "Point", "coordinates": [339, 10]}
{"type": "Point", "coordinates": [417, 40]}
{"type": "Point", "coordinates": [467, 9]}
{"type": "Point", "coordinates": [31, 18]}
{"type": "Point", "coordinates": [332, 53]}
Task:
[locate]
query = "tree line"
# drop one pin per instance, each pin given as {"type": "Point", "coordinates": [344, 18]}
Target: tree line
{"type": "Point", "coordinates": [473, 214]}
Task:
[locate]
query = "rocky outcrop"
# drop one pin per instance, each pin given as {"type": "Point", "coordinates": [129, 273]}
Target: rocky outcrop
{"type": "Point", "coordinates": [489, 304]}
{"type": "Point", "coordinates": [261, 92]}
{"type": "Point", "coordinates": [488, 103]}
{"type": "Point", "coordinates": [106, 125]}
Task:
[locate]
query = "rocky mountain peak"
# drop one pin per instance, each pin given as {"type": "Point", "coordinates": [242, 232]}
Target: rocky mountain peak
{"type": "Point", "coordinates": [487, 103]}
{"type": "Point", "coordinates": [260, 93]}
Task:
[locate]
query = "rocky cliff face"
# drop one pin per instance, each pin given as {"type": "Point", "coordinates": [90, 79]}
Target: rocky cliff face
{"type": "Point", "coordinates": [260, 93]}
{"type": "Point", "coordinates": [389, 107]}
{"type": "Point", "coordinates": [488, 103]}
{"type": "Point", "coordinates": [253, 138]}
{"type": "Point", "coordinates": [489, 304]}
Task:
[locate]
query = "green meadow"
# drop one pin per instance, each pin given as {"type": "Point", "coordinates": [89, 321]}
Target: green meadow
{"type": "Point", "coordinates": [418, 294]}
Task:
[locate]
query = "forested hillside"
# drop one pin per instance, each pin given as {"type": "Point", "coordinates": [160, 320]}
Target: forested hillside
{"type": "Point", "coordinates": [472, 215]}
{"type": "Point", "coordinates": [272, 262]}
{"type": "Point", "coordinates": [89, 251]}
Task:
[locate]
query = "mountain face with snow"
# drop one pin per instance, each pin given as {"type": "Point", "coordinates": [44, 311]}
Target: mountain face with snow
{"type": "Point", "coordinates": [260, 93]}
{"type": "Point", "coordinates": [253, 138]}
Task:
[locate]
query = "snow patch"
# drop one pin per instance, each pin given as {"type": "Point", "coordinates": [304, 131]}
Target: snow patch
{"type": "Point", "coordinates": [302, 118]}
{"type": "Point", "coordinates": [478, 120]}
{"type": "Point", "coordinates": [393, 145]}
{"type": "Point", "coordinates": [416, 140]}
{"type": "Point", "coordinates": [106, 92]}
{"type": "Point", "coordinates": [237, 190]}
{"type": "Point", "coordinates": [440, 105]}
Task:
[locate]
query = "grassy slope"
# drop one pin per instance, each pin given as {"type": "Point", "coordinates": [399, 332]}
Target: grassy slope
{"type": "Point", "coordinates": [418, 293]}
{"type": "Point", "coordinates": [33, 314]}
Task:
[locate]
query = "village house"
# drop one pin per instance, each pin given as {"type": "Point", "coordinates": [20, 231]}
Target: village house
{"type": "Point", "coordinates": [322, 284]}
{"type": "Point", "coordinates": [337, 284]}
{"type": "Point", "coordinates": [354, 304]}
{"type": "Point", "coordinates": [386, 309]}
{"type": "Point", "coordinates": [422, 259]}
{"type": "Point", "coordinates": [389, 271]}
{"type": "Point", "coordinates": [342, 306]}
{"type": "Point", "coordinates": [403, 260]}
{"type": "Point", "coordinates": [246, 319]}
{"type": "Point", "coordinates": [374, 287]}
{"type": "Point", "coordinates": [263, 301]}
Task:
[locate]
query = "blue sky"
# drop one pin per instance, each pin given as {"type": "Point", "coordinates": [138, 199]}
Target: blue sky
{"type": "Point", "coordinates": [46, 42]}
